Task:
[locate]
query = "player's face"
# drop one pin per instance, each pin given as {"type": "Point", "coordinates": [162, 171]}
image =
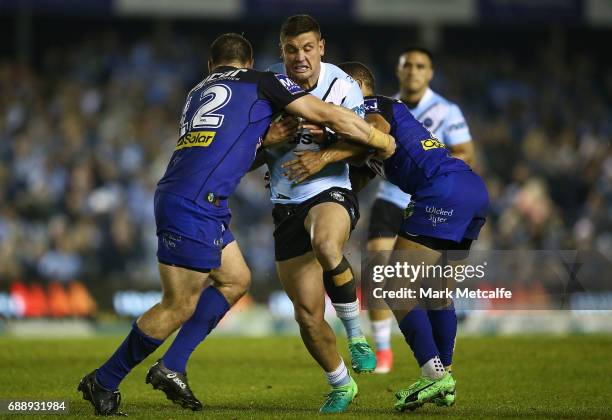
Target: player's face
{"type": "Point", "coordinates": [302, 57]}
{"type": "Point", "coordinates": [414, 71]}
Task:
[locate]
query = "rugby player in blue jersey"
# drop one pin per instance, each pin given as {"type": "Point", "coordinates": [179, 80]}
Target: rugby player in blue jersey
{"type": "Point", "coordinates": [445, 121]}
{"type": "Point", "coordinates": [422, 167]}
{"type": "Point", "coordinates": [201, 267]}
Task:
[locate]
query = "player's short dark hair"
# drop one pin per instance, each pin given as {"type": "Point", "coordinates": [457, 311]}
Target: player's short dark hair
{"type": "Point", "coordinates": [299, 24]}
{"type": "Point", "coordinates": [359, 71]}
{"type": "Point", "coordinates": [231, 47]}
{"type": "Point", "coordinates": [419, 49]}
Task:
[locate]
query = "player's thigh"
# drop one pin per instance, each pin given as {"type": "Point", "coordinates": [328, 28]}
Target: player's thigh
{"type": "Point", "coordinates": [233, 269]}
{"type": "Point", "coordinates": [379, 249]}
{"type": "Point", "coordinates": [381, 244]}
{"type": "Point", "coordinates": [328, 222]}
{"type": "Point", "coordinates": [181, 286]}
{"type": "Point", "coordinates": [301, 278]}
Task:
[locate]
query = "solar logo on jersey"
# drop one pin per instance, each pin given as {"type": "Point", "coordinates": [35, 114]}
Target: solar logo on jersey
{"type": "Point", "coordinates": [432, 144]}
{"type": "Point", "coordinates": [288, 84]}
{"type": "Point", "coordinates": [196, 139]}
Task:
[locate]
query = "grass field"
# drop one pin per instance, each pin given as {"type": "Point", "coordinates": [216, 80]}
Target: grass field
{"type": "Point", "coordinates": [536, 377]}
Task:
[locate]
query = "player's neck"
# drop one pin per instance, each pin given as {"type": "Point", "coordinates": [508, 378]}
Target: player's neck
{"type": "Point", "coordinates": [311, 82]}
{"type": "Point", "coordinates": [235, 64]}
{"type": "Point", "coordinates": [412, 97]}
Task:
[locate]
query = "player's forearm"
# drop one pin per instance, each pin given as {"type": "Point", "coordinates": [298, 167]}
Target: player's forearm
{"type": "Point", "coordinates": [343, 151]}
{"type": "Point", "coordinates": [349, 125]}
{"type": "Point", "coordinates": [260, 159]}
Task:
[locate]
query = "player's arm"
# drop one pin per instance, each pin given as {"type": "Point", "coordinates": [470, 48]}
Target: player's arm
{"type": "Point", "coordinates": [464, 151]}
{"type": "Point", "coordinates": [457, 136]}
{"type": "Point", "coordinates": [284, 93]}
{"type": "Point", "coordinates": [344, 122]}
{"type": "Point", "coordinates": [281, 130]}
{"type": "Point", "coordinates": [309, 163]}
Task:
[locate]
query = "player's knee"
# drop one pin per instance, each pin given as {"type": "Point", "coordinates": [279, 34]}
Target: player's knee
{"type": "Point", "coordinates": [308, 318]}
{"type": "Point", "coordinates": [235, 285]}
{"type": "Point", "coordinates": [241, 282]}
{"type": "Point", "coordinates": [181, 305]}
{"type": "Point", "coordinates": [327, 250]}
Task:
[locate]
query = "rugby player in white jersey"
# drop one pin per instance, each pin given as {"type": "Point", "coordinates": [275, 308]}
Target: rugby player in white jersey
{"type": "Point", "coordinates": [445, 120]}
{"type": "Point", "coordinates": [313, 220]}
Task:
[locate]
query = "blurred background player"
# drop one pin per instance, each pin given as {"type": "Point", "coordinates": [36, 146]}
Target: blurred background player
{"type": "Point", "coordinates": [233, 106]}
{"type": "Point", "coordinates": [313, 220]}
{"type": "Point", "coordinates": [445, 121]}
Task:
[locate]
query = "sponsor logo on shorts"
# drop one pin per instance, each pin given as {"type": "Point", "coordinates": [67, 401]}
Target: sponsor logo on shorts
{"type": "Point", "coordinates": [432, 144]}
{"type": "Point", "coordinates": [336, 195]}
{"type": "Point", "coordinates": [170, 239]}
{"type": "Point", "coordinates": [196, 139]}
{"type": "Point", "coordinates": [438, 214]}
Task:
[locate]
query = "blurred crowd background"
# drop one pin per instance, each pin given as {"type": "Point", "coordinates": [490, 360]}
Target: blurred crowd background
{"type": "Point", "coordinates": [89, 112]}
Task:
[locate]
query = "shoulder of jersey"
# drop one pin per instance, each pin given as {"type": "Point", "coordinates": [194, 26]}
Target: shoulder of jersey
{"type": "Point", "coordinates": [332, 71]}
{"type": "Point", "coordinates": [436, 97]}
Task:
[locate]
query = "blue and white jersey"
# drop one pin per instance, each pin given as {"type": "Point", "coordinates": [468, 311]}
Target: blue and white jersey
{"type": "Point", "coordinates": [334, 86]}
{"type": "Point", "coordinates": [445, 121]}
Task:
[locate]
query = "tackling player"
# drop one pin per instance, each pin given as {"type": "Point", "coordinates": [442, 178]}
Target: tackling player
{"type": "Point", "coordinates": [224, 118]}
{"type": "Point", "coordinates": [445, 120]}
{"type": "Point", "coordinates": [421, 166]}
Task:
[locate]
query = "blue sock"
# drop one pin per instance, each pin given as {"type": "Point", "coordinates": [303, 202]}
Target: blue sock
{"type": "Point", "coordinates": [134, 349]}
{"type": "Point", "coordinates": [211, 307]}
{"type": "Point", "coordinates": [416, 329]}
{"type": "Point", "coordinates": [444, 327]}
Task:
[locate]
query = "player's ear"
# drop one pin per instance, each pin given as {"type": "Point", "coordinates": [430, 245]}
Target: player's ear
{"type": "Point", "coordinates": [209, 66]}
{"type": "Point", "coordinates": [322, 46]}
{"type": "Point", "coordinates": [250, 63]}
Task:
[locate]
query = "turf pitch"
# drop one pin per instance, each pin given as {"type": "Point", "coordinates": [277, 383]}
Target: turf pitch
{"type": "Point", "coordinates": [497, 377]}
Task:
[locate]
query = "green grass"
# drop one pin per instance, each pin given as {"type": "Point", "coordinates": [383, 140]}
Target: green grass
{"type": "Point", "coordinates": [543, 377]}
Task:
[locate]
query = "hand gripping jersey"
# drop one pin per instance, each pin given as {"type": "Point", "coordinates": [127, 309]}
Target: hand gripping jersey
{"type": "Point", "coordinates": [445, 121]}
{"type": "Point", "coordinates": [333, 86]}
{"type": "Point", "coordinates": [419, 156]}
{"type": "Point", "coordinates": [223, 121]}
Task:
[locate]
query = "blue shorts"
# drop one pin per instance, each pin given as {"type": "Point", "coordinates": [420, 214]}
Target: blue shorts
{"type": "Point", "coordinates": [451, 206]}
{"type": "Point", "coordinates": [190, 235]}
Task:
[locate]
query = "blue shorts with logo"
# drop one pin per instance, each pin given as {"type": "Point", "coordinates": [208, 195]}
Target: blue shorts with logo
{"type": "Point", "coordinates": [190, 235]}
{"type": "Point", "coordinates": [451, 206]}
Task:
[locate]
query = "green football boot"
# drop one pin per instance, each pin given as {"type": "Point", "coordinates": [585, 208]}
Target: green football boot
{"type": "Point", "coordinates": [339, 398]}
{"type": "Point", "coordinates": [424, 390]}
{"type": "Point", "coordinates": [363, 358]}
{"type": "Point", "coordinates": [447, 401]}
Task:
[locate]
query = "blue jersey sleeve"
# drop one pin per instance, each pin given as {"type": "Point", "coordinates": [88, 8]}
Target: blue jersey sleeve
{"type": "Point", "coordinates": [455, 130]}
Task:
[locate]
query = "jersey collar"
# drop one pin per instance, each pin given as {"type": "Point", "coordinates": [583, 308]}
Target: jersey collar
{"type": "Point", "coordinates": [426, 97]}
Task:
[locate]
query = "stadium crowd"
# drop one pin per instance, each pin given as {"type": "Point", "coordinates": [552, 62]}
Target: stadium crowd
{"type": "Point", "coordinates": [86, 133]}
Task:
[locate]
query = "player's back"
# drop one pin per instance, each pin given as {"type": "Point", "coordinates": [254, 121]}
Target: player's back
{"type": "Point", "coordinates": [444, 120]}
{"type": "Point", "coordinates": [333, 86]}
{"type": "Point", "coordinates": [419, 156]}
{"type": "Point", "coordinates": [223, 120]}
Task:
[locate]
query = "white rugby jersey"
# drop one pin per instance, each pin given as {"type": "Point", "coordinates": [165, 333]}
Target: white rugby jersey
{"type": "Point", "coordinates": [445, 121]}
{"type": "Point", "coordinates": [333, 86]}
